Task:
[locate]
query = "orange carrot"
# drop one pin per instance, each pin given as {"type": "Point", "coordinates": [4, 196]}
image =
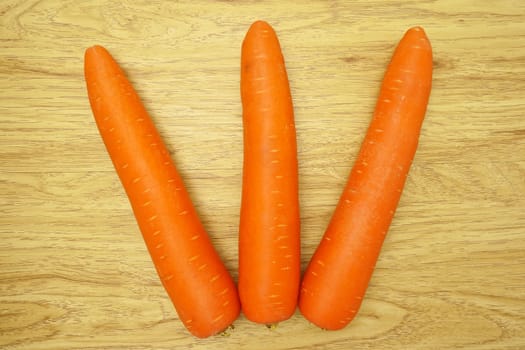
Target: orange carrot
{"type": "Point", "coordinates": [196, 280]}
{"type": "Point", "coordinates": [338, 274]}
{"type": "Point", "coordinates": [269, 243]}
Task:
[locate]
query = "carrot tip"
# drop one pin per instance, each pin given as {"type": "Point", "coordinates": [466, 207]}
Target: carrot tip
{"type": "Point", "coordinates": [95, 49]}
{"type": "Point", "coordinates": [418, 30]}
{"type": "Point", "coordinates": [226, 332]}
{"type": "Point", "coordinates": [260, 25]}
{"type": "Point", "coordinates": [260, 22]}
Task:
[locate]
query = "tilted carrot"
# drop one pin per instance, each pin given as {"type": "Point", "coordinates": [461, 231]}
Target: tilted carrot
{"type": "Point", "coordinates": [338, 274]}
{"type": "Point", "coordinates": [196, 280]}
{"type": "Point", "coordinates": [269, 242]}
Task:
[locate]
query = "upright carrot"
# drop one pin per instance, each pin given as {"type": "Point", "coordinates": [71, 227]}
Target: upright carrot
{"type": "Point", "coordinates": [269, 243]}
{"type": "Point", "coordinates": [190, 269]}
{"type": "Point", "coordinates": [338, 274]}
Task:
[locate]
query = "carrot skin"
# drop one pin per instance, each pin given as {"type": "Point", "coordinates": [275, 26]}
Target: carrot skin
{"type": "Point", "coordinates": [269, 228]}
{"type": "Point", "coordinates": [191, 271]}
{"type": "Point", "coordinates": [338, 274]}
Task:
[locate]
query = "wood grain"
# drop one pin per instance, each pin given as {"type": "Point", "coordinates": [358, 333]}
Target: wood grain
{"type": "Point", "coordinates": [74, 272]}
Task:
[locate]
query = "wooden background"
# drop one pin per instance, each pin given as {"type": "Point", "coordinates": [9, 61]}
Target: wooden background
{"type": "Point", "coordinates": [74, 271]}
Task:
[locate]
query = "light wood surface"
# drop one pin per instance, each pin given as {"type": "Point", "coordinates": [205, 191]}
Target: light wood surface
{"type": "Point", "coordinates": [74, 271]}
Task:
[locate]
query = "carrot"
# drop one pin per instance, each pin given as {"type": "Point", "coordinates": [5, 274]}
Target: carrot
{"type": "Point", "coordinates": [196, 280]}
{"type": "Point", "coordinates": [338, 273]}
{"type": "Point", "coordinates": [269, 242]}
